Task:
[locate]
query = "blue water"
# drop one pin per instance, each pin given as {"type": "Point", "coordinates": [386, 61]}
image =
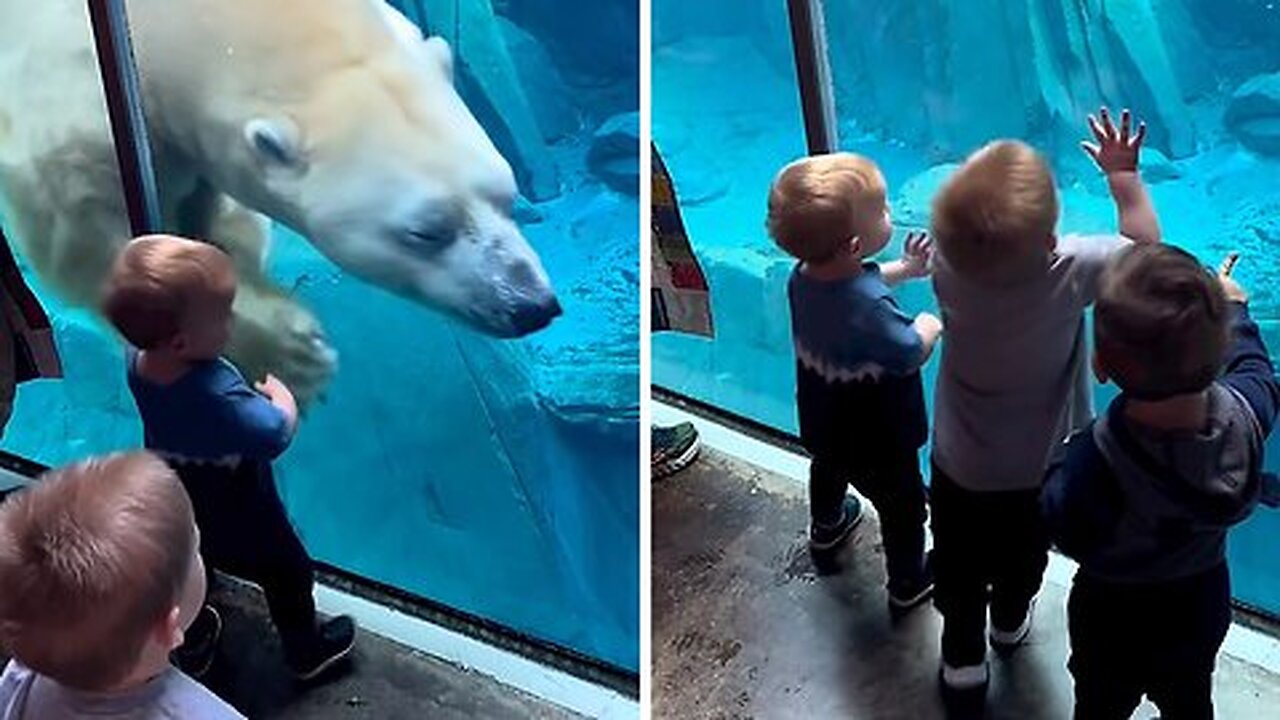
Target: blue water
{"type": "Point", "coordinates": [920, 83]}
{"type": "Point", "coordinates": [496, 477]}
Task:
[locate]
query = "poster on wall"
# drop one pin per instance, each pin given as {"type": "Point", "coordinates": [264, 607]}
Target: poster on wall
{"type": "Point", "coordinates": [681, 298]}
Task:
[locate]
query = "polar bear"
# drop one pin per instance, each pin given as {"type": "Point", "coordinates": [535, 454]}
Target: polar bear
{"type": "Point", "coordinates": [333, 117]}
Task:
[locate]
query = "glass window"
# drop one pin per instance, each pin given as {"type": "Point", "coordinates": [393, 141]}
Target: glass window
{"type": "Point", "coordinates": [1205, 78]}
{"type": "Point", "coordinates": [459, 449]}
{"type": "Point", "coordinates": [919, 85]}
{"type": "Point", "coordinates": [726, 118]}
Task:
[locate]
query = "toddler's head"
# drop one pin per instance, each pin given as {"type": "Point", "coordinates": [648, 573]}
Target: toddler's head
{"type": "Point", "coordinates": [170, 294]}
{"type": "Point", "coordinates": [994, 219]}
{"type": "Point", "coordinates": [100, 568]}
{"type": "Point", "coordinates": [824, 206]}
{"type": "Point", "coordinates": [1160, 323]}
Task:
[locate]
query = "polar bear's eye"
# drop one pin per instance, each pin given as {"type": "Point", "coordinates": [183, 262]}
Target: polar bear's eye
{"type": "Point", "coordinates": [426, 237]}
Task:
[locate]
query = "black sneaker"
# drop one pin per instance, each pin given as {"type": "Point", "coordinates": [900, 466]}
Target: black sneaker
{"type": "Point", "coordinates": [200, 645]}
{"type": "Point", "coordinates": [674, 449]}
{"type": "Point", "coordinates": [904, 596]}
{"type": "Point", "coordinates": [823, 538]}
{"type": "Point", "coordinates": [331, 644]}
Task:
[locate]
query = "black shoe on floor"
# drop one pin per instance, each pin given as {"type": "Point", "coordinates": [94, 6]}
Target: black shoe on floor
{"type": "Point", "coordinates": [331, 644]}
{"type": "Point", "coordinates": [906, 595]}
{"type": "Point", "coordinates": [825, 538]}
{"type": "Point", "coordinates": [200, 645]}
{"type": "Point", "coordinates": [674, 449]}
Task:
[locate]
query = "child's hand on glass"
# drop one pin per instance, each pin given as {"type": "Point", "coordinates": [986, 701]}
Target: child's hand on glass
{"type": "Point", "coordinates": [917, 255]}
{"type": "Point", "coordinates": [1116, 150]}
{"type": "Point", "coordinates": [280, 396]}
{"type": "Point", "coordinates": [273, 388]}
{"type": "Point", "coordinates": [1230, 287]}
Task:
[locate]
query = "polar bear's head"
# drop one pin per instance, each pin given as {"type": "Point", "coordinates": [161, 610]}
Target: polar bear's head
{"type": "Point", "coordinates": [386, 171]}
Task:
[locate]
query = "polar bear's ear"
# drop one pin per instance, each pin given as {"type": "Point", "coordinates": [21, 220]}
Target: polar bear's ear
{"type": "Point", "coordinates": [275, 141]}
{"type": "Point", "coordinates": [438, 49]}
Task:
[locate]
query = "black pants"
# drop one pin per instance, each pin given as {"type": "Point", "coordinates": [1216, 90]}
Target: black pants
{"type": "Point", "coordinates": [989, 548]}
{"type": "Point", "coordinates": [245, 532]}
{"type": "Point", "coordinates": [891, 480]}
{"type": "Point", "coordinates": [1159, 639]}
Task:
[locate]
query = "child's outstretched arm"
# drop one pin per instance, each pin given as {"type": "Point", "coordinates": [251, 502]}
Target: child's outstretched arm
{"type": "Point", "coordinates": [1248, 368]}
{"type": "Point", "coordinates": [914, 262]}
{"type": "Point", "coordinates": [1116, 154]}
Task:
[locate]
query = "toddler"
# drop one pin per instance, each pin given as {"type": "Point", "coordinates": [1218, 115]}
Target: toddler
{"type": "Point", "coordinates": [1013, 378]}
{"type": "Point", "coordinates": [1145, 495]}
{"type": "Point", "coordinates": [858, 358]}
{"type": "Point", "coordinates": [171, 300]}
{"type": "Point", "coordinates": [102, 576]}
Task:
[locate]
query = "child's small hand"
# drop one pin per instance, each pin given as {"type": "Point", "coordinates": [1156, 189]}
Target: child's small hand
{"type": "Point", "coordinates": [1116, 151]}
{"type": "Point", "coordinates": [1230, 287]}
{"type": "Point", "coordinates": [273, 388]}
{"type": "Point", "coordinates": [929, 328]}
{"type": "Point", "coordinates": [917, 254]}
{"type": "Point", "coordinates": [928, 324]}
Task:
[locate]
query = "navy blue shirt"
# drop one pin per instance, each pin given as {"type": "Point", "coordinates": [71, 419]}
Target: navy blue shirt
{"type": "Point", "coordinates": [851, 328]}
{"type": "Point", "coordinates": [209, 414]}
{"type": "Point", "coordinates": [858, 358]}
{"type": "Point", "coordinates": [1137, 505]}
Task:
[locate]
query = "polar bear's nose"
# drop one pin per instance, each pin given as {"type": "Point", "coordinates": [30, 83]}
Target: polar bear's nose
{"type": "Point", "coordinates": [532, 317]}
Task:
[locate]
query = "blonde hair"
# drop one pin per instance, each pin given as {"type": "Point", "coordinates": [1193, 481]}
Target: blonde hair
{"type": "Point", "coordinates": [158, 281]}
{"type": "Point", "coordinates": [92, 557]}
{"type": "Point", "coordinates": [817, 204]}
{"type": "Point", "coordinates": [993, 218]}
{"type": "Point", "coordinates": [1160, 322]}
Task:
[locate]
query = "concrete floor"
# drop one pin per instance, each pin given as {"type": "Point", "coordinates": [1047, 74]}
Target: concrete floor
{"type": "Point", "coordinates": [744, 625]}
{"type": "Point", "coordinates": [384, 680]}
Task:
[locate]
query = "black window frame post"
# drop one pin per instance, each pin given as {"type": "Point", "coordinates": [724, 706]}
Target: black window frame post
{"type": "Point", "coordinates": [813, 75]}
{"type": "Point", "coordinates": [122, 88]}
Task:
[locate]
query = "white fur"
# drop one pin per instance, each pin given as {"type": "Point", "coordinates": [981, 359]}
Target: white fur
{"type": "Point", "coordinates": [333, 117]}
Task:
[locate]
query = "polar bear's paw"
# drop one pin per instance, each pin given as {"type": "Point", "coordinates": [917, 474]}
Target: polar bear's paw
{"type": "Point", "coordinates": [274, 334]}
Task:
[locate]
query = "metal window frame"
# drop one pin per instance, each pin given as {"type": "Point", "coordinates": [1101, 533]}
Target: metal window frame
{"type": "Point", "coordinates": [122, 88]}
{"type": "Point", "coordinates": [813, 74]}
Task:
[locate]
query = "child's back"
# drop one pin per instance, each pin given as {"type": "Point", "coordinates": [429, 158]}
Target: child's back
{"type": "Point", "coordinates": [172, 298]}
{"type": "Point", "coordinates": [1144, 497]}
{"type": "Point", "coordinates": [1013, 378]}
{"type": "Point", "coordinates": [210, 414]}
{"type": "Point", "coordinates": [1012, 381]}
{"type": "Point", "coordinates": [859, 395]}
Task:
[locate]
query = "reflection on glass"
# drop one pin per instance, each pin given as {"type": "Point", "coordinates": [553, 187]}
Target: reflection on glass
{"type": "Point", "coordinates": [450, 278]}
{"type": "Point", "coordinates": [919, 85]}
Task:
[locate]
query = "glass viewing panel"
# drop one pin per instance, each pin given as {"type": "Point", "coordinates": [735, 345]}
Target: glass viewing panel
{"type": "Point", "coordinates": [496, 476]}
{"type": "Point", "coordinates": [919, 85]}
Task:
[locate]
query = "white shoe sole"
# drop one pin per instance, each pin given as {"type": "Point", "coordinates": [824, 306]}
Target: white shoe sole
{"type": "Point", "coordinates": [842, 537]}
{"type": "Point", "coordinates": [674, 465]}
{"type": "Point", "coordinates": [1009, 639]}
{"type": "Point", "coordinates": [907, 603]}
{"type": "Point", "coordinates": [968, 677]}
{"type": "Point", "coordinates": [324, 666]}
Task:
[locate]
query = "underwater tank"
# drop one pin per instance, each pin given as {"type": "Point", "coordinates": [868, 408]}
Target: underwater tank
{"type": "Point", "coordinates": [917, 85]}
{"type": "Point", "coordinates": [494, 477]}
